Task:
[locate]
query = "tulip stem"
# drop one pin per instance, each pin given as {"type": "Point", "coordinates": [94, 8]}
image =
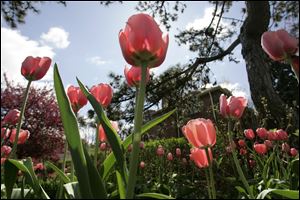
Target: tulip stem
{"type": "Point", "coordinates": [237, 164]}
{"type": "Point", "coordinates": [212, 182]}
{"type": "Point", "coordinates": [96, 143]}
{"type": "Point", "coordinates": [14, 149]}
{"type": "Point", "coordinates": [60, 193]}
{"type": "Point", "coordinates": [208, 184]}
{"type": "Point", "coordinates": [138, 121]}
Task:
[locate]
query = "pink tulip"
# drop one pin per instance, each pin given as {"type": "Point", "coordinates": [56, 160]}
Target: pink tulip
{"type": "Point", "coordinates": [200, 132]}
{"type": "Point", "coordinates": [242, 143]}
{"type": "Point", "coordinates": [142, 145]}
{"type": "Point", "coordinates": [170, 156]}
{"type": "Point", "coordinates": [269, 144]}
{"type": "Point", "coordinates": [279, 44]}
{"type": "Point", "coordinates": [76, 97]}
{"type": "Point", "coordinates": [199, 157]}
{"type": "Point", "coordinates": [102, 135]}
{"type": "Point", "coordinates": [285, 147]}
{"type": "Point", "coordinates": [39, 166]}
{"type": "Point", "coordinates": [282, 135]}
{"type": "Point", "coordinates": [23, 136]}
{"type": "Point", "coordinates": [5, 150]}
{"type": "Point", "coordinates": [5, 132]}
{"type": "Point", "coordinates": [143, 42]}
{"type": "Point", "coordinates": [243, 151]}
{"type": "Point", "coordinates": [249, 134]}
{"type": "Point", "coordinates": [262, 133]}
{"type": "Point", "coordinates": [260, 148]}
{"type": "Point", "coordinates": [12, 117]}
{"type": "Point", "coordinates": [272, 135]}
{"type": "Point", "coordinates": [160, 151]}
{"type": "Point", "coordinates": [35, 68]}
{"type": "Point", "coordinates": [142, 164]}
{"type": "Point", "coordinates": [293, 152]}
{"type": "Point", "coordinates": [178, 152]}
{"type": "Point", "coordinates": [233, 106]}
{"type": "Point", "coordinates": [103, 146]}
{"type": "Point", "coordinates": [3, 160]}
{"type": "Point", "coordinates": [103, 93]}
{"type": "Point", "coordinates": [134, 75]}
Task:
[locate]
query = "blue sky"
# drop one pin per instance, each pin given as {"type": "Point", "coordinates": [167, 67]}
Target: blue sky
{"type": "Point", "coordinates": [82, 39]}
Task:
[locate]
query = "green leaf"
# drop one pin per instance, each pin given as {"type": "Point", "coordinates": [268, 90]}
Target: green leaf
{"type": "Point", "coordinates": [96, 182]}
{"type": "Point", "coordinates": [295, 166]}
{"type": "Point", "coordinates": [112, 136]}
{"type": "Point", "coordinates": [121, 186]}
{"type": "Point", "coordinates": [72, 135]}
{"type": "Point", "coordinates": [60, 173]}
{"type": "Point", "coordinates": [72, 190]}
{"type": "Point", "coordinates": [267, 166]}
{"type": "Point", "coordinates": [110, 159]}
{"type": "Point", "coordinates": [10, 177]}
{"type": "Point", "coordinates": [291, 194]}
{"type": "Point", "coordinates": [17, 194]}
{"type": "Point", "coordinates": [241, 190]}
{"type": "Point", "coordinates": [154, 196]}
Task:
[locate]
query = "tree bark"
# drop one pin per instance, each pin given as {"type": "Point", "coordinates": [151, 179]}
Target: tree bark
{"type": "Point", "coordinates": [267, 102]}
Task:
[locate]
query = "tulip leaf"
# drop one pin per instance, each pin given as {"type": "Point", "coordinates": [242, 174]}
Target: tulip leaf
{"type": "Point", "coordinates": [17, 194]}
{"type": "Point", "coordinates": [60, 173]}
{"type": "Point", "coordinates": [71, 131]}
{"type": "Point", "coordinates": [121, 186]}
{"type": "Point", "coordinates": [154, 196]}
{"type": "Point", "coordinates": [10, 177]}
{"type": "Point", "coordinates": [291, 194]}
{"type": "Point", "coordinates": [72, 190]}
{"type": "Point", "coordinates": [97, 184]}
{"type": "Point", "coordinates": [110, 159]}
{"type": "Point", "coordinates": [111, 134]}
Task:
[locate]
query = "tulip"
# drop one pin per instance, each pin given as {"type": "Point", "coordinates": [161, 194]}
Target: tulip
{"type": "Point", "coordinates": [200, 132]}
{"type": "Point", "coordinates": [279, 44]}
{"type": "Point", "coordinates": [178, 152]}
{"type": "Point", "coordinates": [262, 133]}
{"type": "Point", "coordinates": [134, 75]}
{"type": "Point", "coordinates": [160, 151]}
{"type": "Point", "coordinates": [5, 150]}
{"type": "Point", "coordinates": [103, 146]}
{"type": "Point", "coordinates": [184, 161]}
{"type": "Point", "coordinates": [243, 151]}
{"type": "Point", "coordinates": [170, 156]}
{"type": "Point", "coordinates": [5, 132]}
{"type": "Point", "coordinates": [142, 164]}
{"type": "Point", "coordinates": [39, 166]}
{"type": "Point", "coordinates": [249, 134]}
{"type": "Point", "coordinates": [282, 135]}
{"type": "Point", "coordinates": [260, 148]}
{"type": "Point", "coordinates": [76, 97]}
{"type": "Point", "coordinates": [199, 157]}
{"type": "Point", "coordinates": [103, 93]}
{"type": "Point", "coordinates": [142, 145]}
{"type": "Point", "coordinates": [142, 42]}
{"type": "Point", "coordinates": [23, 136]}
{"type": "Point", "coordinates": [272, 135]}
{"type": "Point", "coordinates": [102, 135]}
{"type": "Point", "coordinates": [233, 106]}
{"type": "Point", "coordinates": [3, 160]}
{"type": "Point", "coordinates": [242, 143]}
{"type": "Point", "coordinates": [12, 117]}
{"type": "Point", "coordinates": [269, 144]}
{"type": "Point", "coordinates": [35, 68]}
{"type": "Point", "coordinates": [252, 163]}
{"type": "Point", "coordinates": [285, 147]}
{"type": "Point", "coordinates": [293, 152]}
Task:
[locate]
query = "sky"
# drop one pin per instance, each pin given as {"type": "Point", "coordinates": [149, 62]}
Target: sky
{"type": "Point", "coordinates": [82, 38]}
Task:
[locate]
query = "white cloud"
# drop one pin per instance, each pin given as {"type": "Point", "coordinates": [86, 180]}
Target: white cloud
{"type": "Point", "coordinates": [236, 89]}
{"type": "Point", "coordinates": [97, 60]}
{"type": "Point", "coordinates": [56, 37]}
{"type": "Point", "coordinates": [204, 21]}
{"type": "Point", "coordinates": [15, 48]}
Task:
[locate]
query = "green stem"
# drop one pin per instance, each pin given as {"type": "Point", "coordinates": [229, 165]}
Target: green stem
{"type": "Point", "coordinates": [96, 144]}
{"type": "Point", "coordinates": [60, 193]}
{"type": "Point", "coordinates": [237, 164]}
{"type": "Point", "coordinates": [138, 121]}
{"type": "Point", "coordinates": [72, 170]}
{"type": "Point", "coordinates": [208, 183]}
{"type": "Point", "coordinates": [14, 149]}
{"type": "Point", "coordinates": [212, 182]}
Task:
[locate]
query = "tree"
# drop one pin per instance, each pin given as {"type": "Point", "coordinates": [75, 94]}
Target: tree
{"type": "Point", "coordinates": [41, 119]}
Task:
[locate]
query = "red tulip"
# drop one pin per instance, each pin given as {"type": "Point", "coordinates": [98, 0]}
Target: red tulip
{"type": "Point", "coordinates": [249, 134]}
{"type": "Point", "coordinates": [5, 132]}
{"type": "Point", "coordinates": [12, 117]}
{"type": "Point", "coordinates": [282, 135]}
{"type": "Point", "coordinates": [103, 93]}
{"type": "Point", "coordinates": [178, 152]}
{"type": "Point", "coordinates": [39, 166]}
{"type": "Point", "coordinates": [269, 144]}
{"type": "Point", "coordinates": [142, 164]}
{"type": "Point", "coordinates": [279, 44]}
{"type": "Point", "coordinates": [5, 150]}
{"type": "Point", "coordinates": [242, 143]}
{"type": "Point", "coordinates": [200, 132]}
{"type": "Point", "coordinates": [160, 151]}
{"type": "Point", "coordinates": [243, 151]}
{"type": "Point", "coordinates": [260, 148]}
{"type": "Point", "coordinates": [199, 157]}
{"type": "Point", "coordinates": [77, 98]}
{"type": "Point", "coordinates": [35, 68]}
{"type": "Point", "coordinates": [170, 156]}
{"type": "Point", "coordinates": [103, 146]}
{"type": "Point", "coordinates": [3, 160]}
{"type": "Point", "coordinates": [142, 145]}
{"type": "Point", "coordinates": [293, 152]}
{"type": "Point", "coordinates": [102, 135]}
{"type": "Point", "coordinates": [233, 106]}
{"type": "Point", "coordinates": [23, 136]}
{"type": "Point", "coordinates": [272, 135]}
{"type": "Point", "coordinates": [134, 75]}
{"type": "Point", "coordinates": [262, 133]}
{"type": "Point", "coordinates": [285, 147]}
{"type": "Point", "coordinates": [142, 41]}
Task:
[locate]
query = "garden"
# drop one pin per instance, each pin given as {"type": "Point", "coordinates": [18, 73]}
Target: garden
{"type": "Point", "coordinates": [200, 143]}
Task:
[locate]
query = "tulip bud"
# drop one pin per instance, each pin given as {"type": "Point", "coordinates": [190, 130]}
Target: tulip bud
{"type": "Point", "coordinates": [178, 152]}
{"type": "Point", "coordinates": [103, 146]}
{"type": "Point", "coordinates": [285, 147]}
{"type": "Point", "coordinates": [249, 134]}
{"type": "Point", "coordinates": [170, 156]}
{"type": "Point", "coordinates": [242, 143]}
{"type": "Point", "coordinates": [260, 148]}
{"type": "Point", "coordinates": [142, 164]}
{"type": "Point", "coordinates": [12, 117]}
{"type": "Point", "coordinates": [262, 133]}
{"type": "Point", "coordinates": [293, 152]}
{"type": "Point", "coordinates": [35, 68]}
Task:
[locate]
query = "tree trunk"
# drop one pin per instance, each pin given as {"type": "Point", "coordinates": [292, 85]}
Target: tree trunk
{"type": "Point", "coordinates": [267, 102]}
